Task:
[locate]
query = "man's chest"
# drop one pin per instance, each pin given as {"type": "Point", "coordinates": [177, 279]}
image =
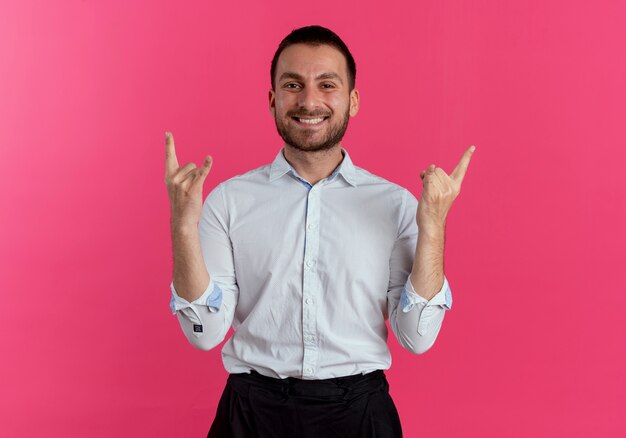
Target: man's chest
{"type": "Point", "coordinates": [331, 232]}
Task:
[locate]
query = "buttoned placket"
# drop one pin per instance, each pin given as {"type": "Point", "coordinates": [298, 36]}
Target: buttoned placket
{"type": "Point", "coordinates": [310, 281]}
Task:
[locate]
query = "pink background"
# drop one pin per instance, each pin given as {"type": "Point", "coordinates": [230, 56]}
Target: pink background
{"type": "Point", "coordinates": [535, 344]}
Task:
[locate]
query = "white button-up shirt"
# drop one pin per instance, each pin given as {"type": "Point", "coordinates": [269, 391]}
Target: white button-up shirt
{"type": "Point", "coordinates": [307, 275]}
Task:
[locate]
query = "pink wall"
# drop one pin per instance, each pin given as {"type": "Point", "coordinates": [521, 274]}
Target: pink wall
{"type": "Point", "coordinates": [536, 342]}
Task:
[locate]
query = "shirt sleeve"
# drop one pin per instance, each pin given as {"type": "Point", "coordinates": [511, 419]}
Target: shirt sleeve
{"type": "Point", "coordinates": [206, 320]}
{"type": "Point", "coordinates": [414, 320]}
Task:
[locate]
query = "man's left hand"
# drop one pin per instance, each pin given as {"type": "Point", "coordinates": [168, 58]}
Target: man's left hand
{"type": "Point", "coordinates": [440, 190]}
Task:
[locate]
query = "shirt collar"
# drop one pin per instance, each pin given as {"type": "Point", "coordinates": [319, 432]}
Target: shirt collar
{"type": "Point", "coordinates": [280, 166]}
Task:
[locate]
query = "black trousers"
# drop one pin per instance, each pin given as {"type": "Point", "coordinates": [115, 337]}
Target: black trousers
{"type": "Point", "coordinates": [358, 406]}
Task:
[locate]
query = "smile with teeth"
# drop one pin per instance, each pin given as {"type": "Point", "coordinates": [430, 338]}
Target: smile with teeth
{"type": "Point", "coordinates": [310, 121]}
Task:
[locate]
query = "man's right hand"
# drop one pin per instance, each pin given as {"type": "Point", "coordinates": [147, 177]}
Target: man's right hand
{"type": "Point", "coordinates": [184, 186]}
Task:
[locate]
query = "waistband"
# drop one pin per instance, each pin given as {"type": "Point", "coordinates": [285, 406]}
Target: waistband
{"type": "Point", "coordinates": [337, 386]}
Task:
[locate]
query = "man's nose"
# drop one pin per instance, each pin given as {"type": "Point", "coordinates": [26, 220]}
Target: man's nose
{"type": "Point", "coordinates": [308, 97]}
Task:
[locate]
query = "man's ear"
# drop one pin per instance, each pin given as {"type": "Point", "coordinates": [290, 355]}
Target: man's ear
{"type": "Point", "coordinates": [354, 102]}
{"type": "Point", "coordinates": [272, 102]}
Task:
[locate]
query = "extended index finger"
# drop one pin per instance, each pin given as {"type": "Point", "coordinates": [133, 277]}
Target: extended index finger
{"type": "Point", "coordinates": [171, 162]}
{"type": "Point", "coordinates": [459, 171]}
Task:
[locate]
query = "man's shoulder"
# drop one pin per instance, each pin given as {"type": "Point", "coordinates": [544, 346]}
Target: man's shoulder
{"type": "Point", "coordinates": [241, 184]}
{"type": "Point", "coordinates": [368, 179]}
{"type": "Point", "coordinates": [259, 174]}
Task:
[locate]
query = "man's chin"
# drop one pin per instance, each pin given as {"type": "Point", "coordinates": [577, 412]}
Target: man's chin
{"type": "Point", "coordinates": [314, 142]}
{"type": "Point", "coordinates": [307, 147]}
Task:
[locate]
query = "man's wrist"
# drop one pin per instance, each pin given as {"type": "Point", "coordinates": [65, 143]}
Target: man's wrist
{"type": "Point", "coordinates": [184, 228]}
{"type": "Point", "coordinates": [431, 230]}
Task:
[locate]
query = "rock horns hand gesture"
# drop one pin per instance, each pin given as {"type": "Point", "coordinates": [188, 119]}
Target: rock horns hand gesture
{"type": "Point", "coordinates": [440, 191]}
{"type": "Point", "coordinates": [184, 186]}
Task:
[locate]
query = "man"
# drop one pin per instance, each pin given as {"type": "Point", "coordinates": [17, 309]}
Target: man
{"type": "Point", "coordinates": [306, 258]}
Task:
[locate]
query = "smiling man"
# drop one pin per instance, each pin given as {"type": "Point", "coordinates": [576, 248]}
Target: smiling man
{"type": "Point", "coordinates": [313, 97]}
{"type": "Point", "coordinates": [306, 258]}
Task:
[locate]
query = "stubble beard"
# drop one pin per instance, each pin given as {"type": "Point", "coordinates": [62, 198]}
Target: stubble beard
{"type": "Point", "coordinates": [333, 136]}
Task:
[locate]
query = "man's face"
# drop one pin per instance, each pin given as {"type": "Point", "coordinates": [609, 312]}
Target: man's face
{"type": "Point", "coordinates": [312, 102]}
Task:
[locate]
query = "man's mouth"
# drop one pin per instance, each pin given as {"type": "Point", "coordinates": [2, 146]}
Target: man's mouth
{"type": "Point", "coordinates": [309, 120]}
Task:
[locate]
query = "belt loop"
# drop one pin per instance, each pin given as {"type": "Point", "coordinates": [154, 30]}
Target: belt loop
{"type": "Point", "coordinates": [346, 393]}
{"type": "Point", "coordinates": [285, 393]}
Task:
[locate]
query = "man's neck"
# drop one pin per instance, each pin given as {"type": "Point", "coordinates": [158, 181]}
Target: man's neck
{"type": "Point", "coordinates": [313, 166]}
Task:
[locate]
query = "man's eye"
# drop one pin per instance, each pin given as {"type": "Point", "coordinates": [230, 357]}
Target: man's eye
{"type": "Point", "coordinates": [328, 85]}
{"type": "Point", "coordinates": [292, 85]}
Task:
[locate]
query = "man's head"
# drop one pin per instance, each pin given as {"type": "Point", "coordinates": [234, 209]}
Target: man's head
{"type": "Point", "coordinates": [313, 94]}
{"type": "Point", "coordinates": [315, 36]}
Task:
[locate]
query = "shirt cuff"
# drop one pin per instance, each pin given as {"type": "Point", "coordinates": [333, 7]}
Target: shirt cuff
{"type": "Point", "coordinates": [409, 298]}
{"type": "Point", "coordinates": [211, 297]}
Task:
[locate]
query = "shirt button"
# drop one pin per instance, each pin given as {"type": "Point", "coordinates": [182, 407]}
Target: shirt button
{"type": "Point", "coordinates": [311, 226]}
{"type": "Point", "coordinates": [309, 371]}
{"type": "Point", "coordinates": [308, 301]}
{"type": "Point", "coordinates": [310, 263]}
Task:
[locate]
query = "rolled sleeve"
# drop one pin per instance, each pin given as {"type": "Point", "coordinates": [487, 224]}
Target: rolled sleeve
{"type": "Point", "coordinates": [409, 299]}
{"type": "Point", "coordinates": [211, 297]}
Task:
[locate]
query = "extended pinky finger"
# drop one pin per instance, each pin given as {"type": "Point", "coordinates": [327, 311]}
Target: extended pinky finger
{"type": "Point", "coordinates": [204, 170]}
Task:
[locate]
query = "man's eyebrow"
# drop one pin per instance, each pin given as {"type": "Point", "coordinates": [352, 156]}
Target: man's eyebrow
{"type": "Point", "coordinates": [290, 75]}
{"type": "Point", "coordinates": [330, 76]}
{"type": "Point", "coordinates": [296, 76]}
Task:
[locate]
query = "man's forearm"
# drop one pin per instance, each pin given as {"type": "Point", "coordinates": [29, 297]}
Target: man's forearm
{"type": "Point", "coordinates": [427, 273]}
{"type": "Point", "coordinates": [190, 275]}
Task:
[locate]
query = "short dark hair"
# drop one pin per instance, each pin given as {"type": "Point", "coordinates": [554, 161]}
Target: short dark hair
{"type": "Point", "coordinates": [316, 36]}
